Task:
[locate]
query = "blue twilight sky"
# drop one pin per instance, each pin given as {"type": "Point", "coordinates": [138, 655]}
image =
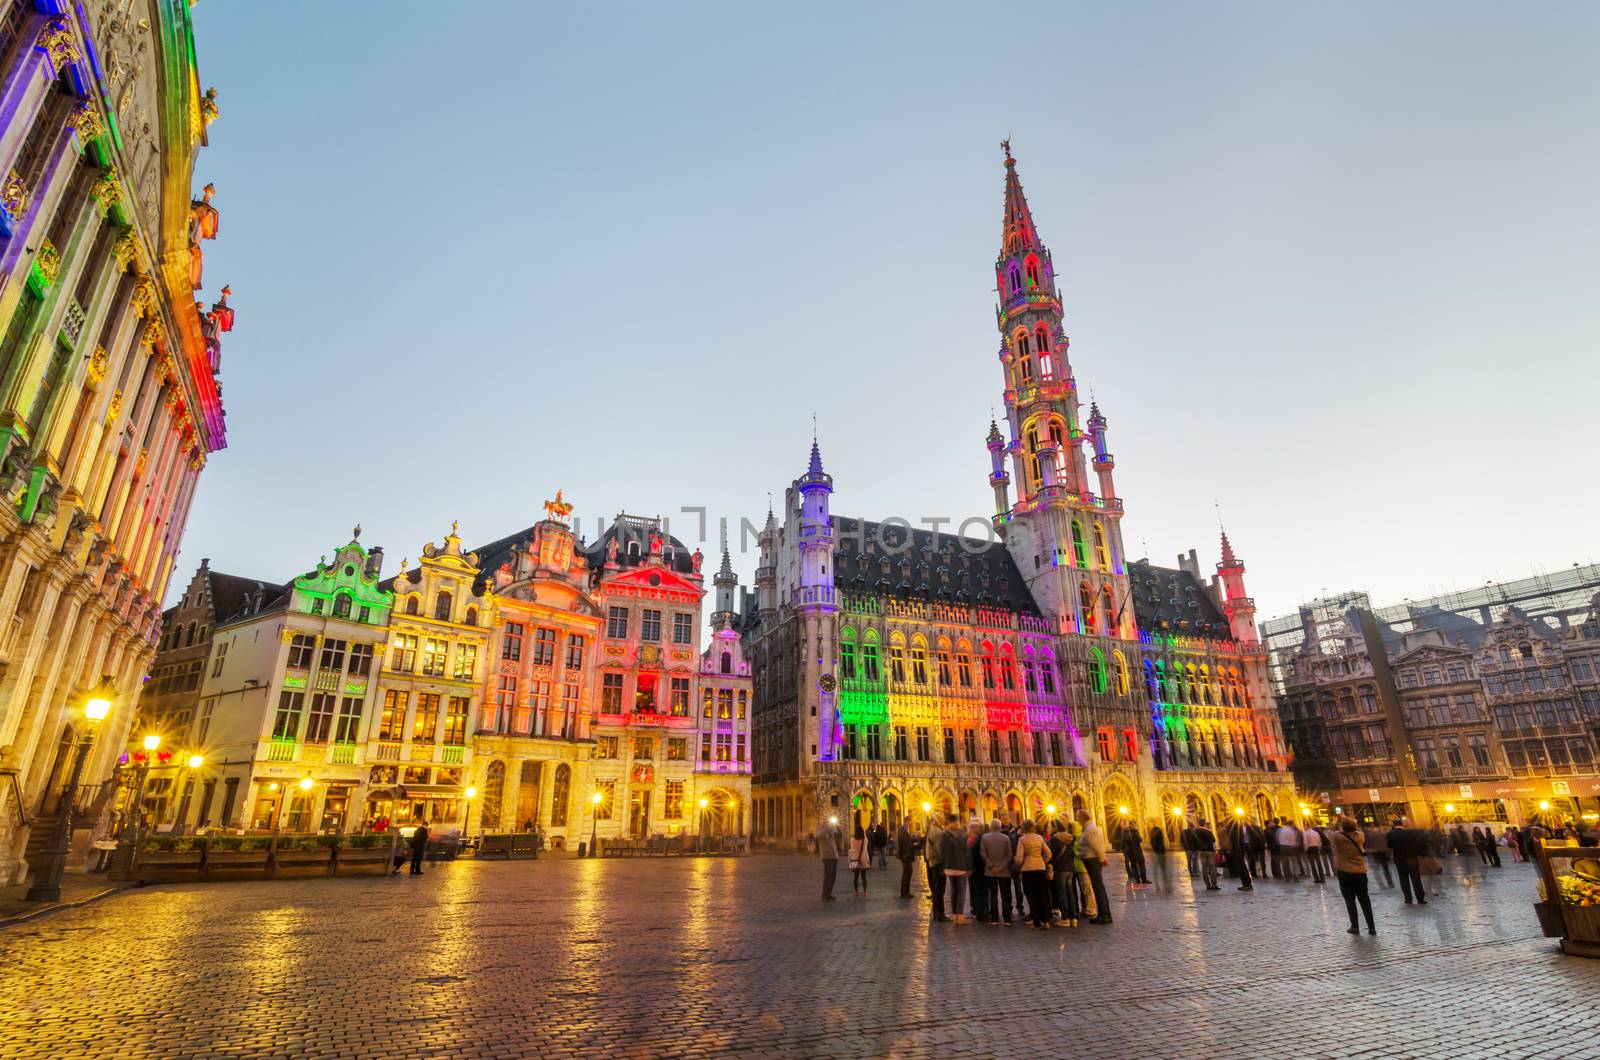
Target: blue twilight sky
{"type": "Point", "coordinates": [1333, 267]}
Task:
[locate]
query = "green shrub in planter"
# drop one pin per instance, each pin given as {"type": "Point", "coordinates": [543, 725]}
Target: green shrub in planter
{"type": "Point", "coordinates": [326, 841]}
{"type": "Point", "coordinates": [366, 841]}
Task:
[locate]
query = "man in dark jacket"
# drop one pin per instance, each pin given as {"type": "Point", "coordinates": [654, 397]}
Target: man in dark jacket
{"type": "Point", "coordinates": [1407, 845]}
{"type": "Point", "coordinates": [419, 847]}
{"type": "Point", "coordinates": [1186, 837]}
{"type": "Point", "coordinates": [905, 848]}
{"type": "Point", "coordinates": [1205, 849]}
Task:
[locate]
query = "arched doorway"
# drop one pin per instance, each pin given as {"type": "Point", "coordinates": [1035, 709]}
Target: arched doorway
{"type": "Point", "coordinates": [1119, 809]}
{"type": "Point", "coordinates": [892, 811]}
{"type": "Point", "coordinates": [1221, 812]}
{"type": "Point", "coordinates": [1263, 807]}
{"type": "Point", "coordinates": [722, 814]}
{"type": "Point", "coordinates": [991, 806]}
{"type": "Point", "coordinates": [494, 786]}
{"type": "Point", "coordinates": [1014, 807]}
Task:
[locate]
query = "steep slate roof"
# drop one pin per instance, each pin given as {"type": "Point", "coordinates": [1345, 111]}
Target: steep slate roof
{"type": "Point", "coordinates": [898, 561]}
{"type": "Point", "coordinates": [496, 552]}
{"type": "Point", "coordinates": [1164, 599]}
{"type": "Point", "coordinates": [228, 592]}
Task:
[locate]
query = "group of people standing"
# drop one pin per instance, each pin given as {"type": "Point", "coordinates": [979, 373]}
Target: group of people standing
{"type": "Point", "coordinates": [996, 873]}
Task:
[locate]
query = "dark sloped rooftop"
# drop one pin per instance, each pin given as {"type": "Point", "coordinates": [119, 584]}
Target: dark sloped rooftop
{"type": "Point", "coordinates": [229, 593]}
{"type": "Point", "coordinates": [1174, 601]}
{"type": "Point", "coordinates": [905, 562]}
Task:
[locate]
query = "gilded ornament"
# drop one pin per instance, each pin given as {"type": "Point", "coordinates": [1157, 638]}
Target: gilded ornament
{"type": "Point", "coordinates": [144, 296]}
{"type": "Point", "coordinates": [127, 248]}
{"type": "Point", "coordinates": [286, 634]}
{"type": "Point", "coordinates": [197, 460]}
{"type": "Point", "coordinates": [86, 121]}
{"type": "Point", "coordinates": [58, 43]}
{"type": "Point", "coordinates": [48, 261]}
{"type": "Point", "coordinates": [153, 334]}
{"type": "Point", "coordinates": [14, 195]}
{"type": "Point", "coordinates": [208, 106]}
{"type": "Point", "coordinates": [138, 465]}
{"type": "Point", "coordinates": [166, 366]}
{"type": "Point", "coordinates": [98, 362]}
{"type": "Point", "coordinates": [107, 191]}
{"type": "Point", "coordinates": [171, 399]}
{"type": "Point", "coordinates": [115, 408]}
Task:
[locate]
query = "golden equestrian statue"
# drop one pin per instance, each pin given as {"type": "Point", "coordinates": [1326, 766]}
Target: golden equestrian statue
{"type": "Point", "coordinates": [557, 509]}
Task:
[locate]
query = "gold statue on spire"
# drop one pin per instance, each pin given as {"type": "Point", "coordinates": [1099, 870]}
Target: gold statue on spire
{"type": "Point", "coordinates": [558, 509]}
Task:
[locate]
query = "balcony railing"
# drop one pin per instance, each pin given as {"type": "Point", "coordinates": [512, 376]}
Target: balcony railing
{"type": "Point", "coordinates": [344, 754]}
{"type": "Point", "coordinates": [280, 750]}
{"type": "Point", "coordinates": [452, 754]}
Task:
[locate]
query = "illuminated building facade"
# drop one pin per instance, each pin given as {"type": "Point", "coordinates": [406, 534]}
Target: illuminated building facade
{"type": "Point", "coordinates": [109, 399]}
{"type": "Point", "coordinates": [1464, 708]}
{"type": "Point", "coordinates": [898, 668]}
{"type": "Point", "coordinates": [430, 687]}
{"type": "Point", "coordinates": [287, 699]}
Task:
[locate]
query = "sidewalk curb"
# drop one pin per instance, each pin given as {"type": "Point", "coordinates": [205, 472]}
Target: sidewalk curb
{"type": "Point", "coordinates": [61, 907]}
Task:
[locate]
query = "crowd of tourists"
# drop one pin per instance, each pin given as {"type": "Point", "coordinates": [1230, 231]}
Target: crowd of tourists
{"type": "Point", "coordinates": [1050, 874]}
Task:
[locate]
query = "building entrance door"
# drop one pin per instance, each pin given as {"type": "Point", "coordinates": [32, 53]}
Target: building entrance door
{"type": "Point", "coordinates": [528, 782]}
{"type": "Point", "coordinates": [639, 813]}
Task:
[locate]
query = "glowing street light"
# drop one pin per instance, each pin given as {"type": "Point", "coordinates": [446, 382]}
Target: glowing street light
{"type": "Point", "coordinates": [1449, 807]}
{"type": "Point", "coordinates": [1177, 811]}
{"type": "Point", "coordinates": [1122, 810]}
{"type": "Point", "coordinates": [47, 877]}
{"type": "Point", "coordinates": [196, 761]}
{"type": "Point", "coordinates": [152, 742]}
{"type": "Point", "coordinates": [594, 819]}
{"type": "Point", "coordinates": [466, 809]}
{"type": "Point", "coordinates": [305, 783]}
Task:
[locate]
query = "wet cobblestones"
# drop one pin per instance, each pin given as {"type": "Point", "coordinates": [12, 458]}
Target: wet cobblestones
{"type": "Point", "coordinates": [687, 958]}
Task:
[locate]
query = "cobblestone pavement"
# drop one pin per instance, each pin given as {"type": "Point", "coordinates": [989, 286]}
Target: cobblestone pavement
{"type": "Point", "coordinates": [704, 957]}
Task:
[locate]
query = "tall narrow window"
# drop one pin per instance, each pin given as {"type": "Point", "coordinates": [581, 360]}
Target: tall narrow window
{"type": "Point", "coordinates": [392, 722]}
{"type": "Point", "coordinates": [1110, 611]}
{"type": "Point", "coordinates": [1102, 555]}
{"type": "Point", "coordinates": [426, 722]}
{"type": "Point", "coordinates": [320, 721]}
{"type": "Point", "coordinates": [1080, 551]}
{"type": "Point", "coordinates": [1086, 605]}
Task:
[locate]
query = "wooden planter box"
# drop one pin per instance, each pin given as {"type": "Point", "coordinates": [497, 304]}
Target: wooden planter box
{"type": "Point", "coordinates": [176, 859]}
{"type": "Point", "coordinates": [241, 858]}
{"type": "Point", "coordinates": [362, 861]}
{"type": "Point", "coordinates": [1583, 922]}
{"type": "Point", "coordinates": [315, 858]}
{"type": "Point", "coordinates": [1550, 923]}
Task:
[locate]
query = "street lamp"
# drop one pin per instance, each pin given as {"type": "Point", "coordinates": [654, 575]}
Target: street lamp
{"type": "Point", "coordinates": [47, 880]}
{"type": "Point", "coordinates": [466, 812]}
{"type": "Point", "coordinates": [594, 820]}
{"type": "Point", "coordinates": [182, 824]}
{"type": "Point", "coordinates": [305, 785]}
{"type": "Point", "coordinates": [128, 838]}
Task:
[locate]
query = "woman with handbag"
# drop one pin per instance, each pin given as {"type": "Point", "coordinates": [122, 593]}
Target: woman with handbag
{"type": "Point", "coordinates": [860, 861]}
{"type": "Point", "coordinates": [1033, 861]}
{"type": "Point", "coordinates": [1350, 866]}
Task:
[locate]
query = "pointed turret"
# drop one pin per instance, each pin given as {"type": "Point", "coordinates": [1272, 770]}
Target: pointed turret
{"type": "Point", "coordinates": [726, 583]}
{"type": "Point", "coordinates": [998, 479]}
{"type": "Point", "coordinates": [1017, 232]}
{"type": "Point", "coordinates": [1228, 558]}
{"type": "Point", "coordinates": [1236, 602]}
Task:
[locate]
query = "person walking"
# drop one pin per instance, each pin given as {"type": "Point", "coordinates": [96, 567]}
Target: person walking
{"type": "Point", "coordinates": [1255, 845]}
{"type": "Point", "coordinates": [933, 865]}
{"type": "Point", "coordinates": [1158, 850]}
{"type": "Point", "coordinates": [1313, 841]}
{"type": "Point", "coordinates": [419, 847]}
{"type": "Point", "coordinates": [1376, 843]}
{"type": "Point", "coordinates": [1269, 836]}
{"type": "Point", "coordinates": [1406, 844]}
{"type": "Point", "coordinates": [829, 841]}
{"type": "Point", "coordinates": [860, 862]}
{"type": "Point", "coordinates": [957, 866]}
{"type": "Point", "coordinates": [877, 841]}
{"type": "Point", "coordinates": [1350, 867]}
{"type": "Point", "coordinates": [1205, 848]}
{"type": "Point", "coordinates": [1237, 844]}
{"type": "Point", "coordinates": [905, 848]}
{"type": "Point", "coordinates": [1063, 849]}
{"type": "Point", "coordinates": [1014, 881]}
{"type": "Point", "coordinates": [997, 851]}
{"type": "Point", "coordinates": [1186, 838]}
{"type": "Point", "coordinates": [979, 885]}
{"type": "Point", "coordinates": [1032, 860]}
{"type": "Point", "coordinates": [1289, 845]}
{"type": "Point", "coordinates": [1093, 849]}
{"type": "Point", "coordinates": [1133, 856]}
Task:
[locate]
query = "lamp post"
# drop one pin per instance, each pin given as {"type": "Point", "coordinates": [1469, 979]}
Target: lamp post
{"type": "Point", "coordinates": [182, 824]}
{"type": "Point", "coordinates": [466, 813]}
{"type": "Point", "coordinates": [704, 804]}
{"type": "Point", "coordinates": [594, 819]}
{"type": "Point", "coordinates": [128, 838]}
{"type": "Point", "coordinates": [47, 881]}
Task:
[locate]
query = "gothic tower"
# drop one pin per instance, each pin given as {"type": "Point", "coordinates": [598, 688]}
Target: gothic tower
{"type": "Point", "coordinates": [727, 584]}
{"type": "Point", "coordinates": [1066, 539]}
{"type": "Point", "coordinates": [814, 601]}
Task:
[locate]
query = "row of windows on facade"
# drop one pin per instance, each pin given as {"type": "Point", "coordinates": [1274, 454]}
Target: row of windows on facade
{"type": "Point", "coordinates": [1571, 755]}
{"type": "Point", "coordinates": [181, 637]}
{"type": "Point", "coordinates": [443, 607]}
{"type": "Point", "coordinates": [866, 743]}
{"type": "Point", "coordinates": [343, 605]}
{"type": "Point", "coordinates": [303, 652]}
{"type": "Point", "coordinates": [1510, 684]}
{"type": "Point", "coordinates": [605, 809]}
{"type": "Point", "coordinates": [714, 747]}
{"type": "Point", "coordinates": [952, 668]}
{"type": "Point", "coordinates": [425, 721]}
{"type": "Point", "coordinates": [320, 727]}
{"type": "Point", "coordinates": [618, 618]}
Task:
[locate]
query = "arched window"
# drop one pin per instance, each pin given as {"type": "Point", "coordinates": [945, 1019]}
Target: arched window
{"type": "Point", "coordinates": [986, 662]}
{"type": "Point", "coordinates": [413, 605]}
{"type": "Point", "coordinates": [869, 657]}
{"type": "Point", "coordinates": [1024, 370]}
{"type": "Point", "coordinates": [1031, 440]}
{"type": "Point", "coordinates": [441, 607]}
{"type": "Point", "coordinates": [1033, 271]}
{"type": "Point", "coordinates": [341, 605]}
{"type": "Point", "coordinates": [1109, 610]}
{"type": "Point", "coordinates": [1008, 669]}
{"type": "Point", "coordinates": [1102, 555]}
{"type": "Point", "coordinates": [1020, 345]}
{"type": "Point", "coordinates": [1122, 673]}
{"type": "Point", "coordinates": [494, 783]}
{"type": "Point", "coordinates": [847, 654]}
{"type": "Point", "coordinates": [1086, 605]}
{"type": "Point", "coordinates": [1205, 686]}
{"type": "Point", "coordinates": [1015, 274]}
{"type": "Point", "coordinates": [1151, 687]}
{"type": "Point", "coordinates": [471, 618]}
{"type": "Point", "coordinates": [964, 664]}
{"type": "Point", "coordinates": [1079, 551]}
{"type": "Point", "coordinates": [1097, 671]}
{"type": "Point", "coordinates": [190, 639]}
{"type": "Point", "coordinates": [558, 796]}
{"type": "Point", "coordinates": [727, 662]}
{"type": "Point", "coordinates": [1041, 339]}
